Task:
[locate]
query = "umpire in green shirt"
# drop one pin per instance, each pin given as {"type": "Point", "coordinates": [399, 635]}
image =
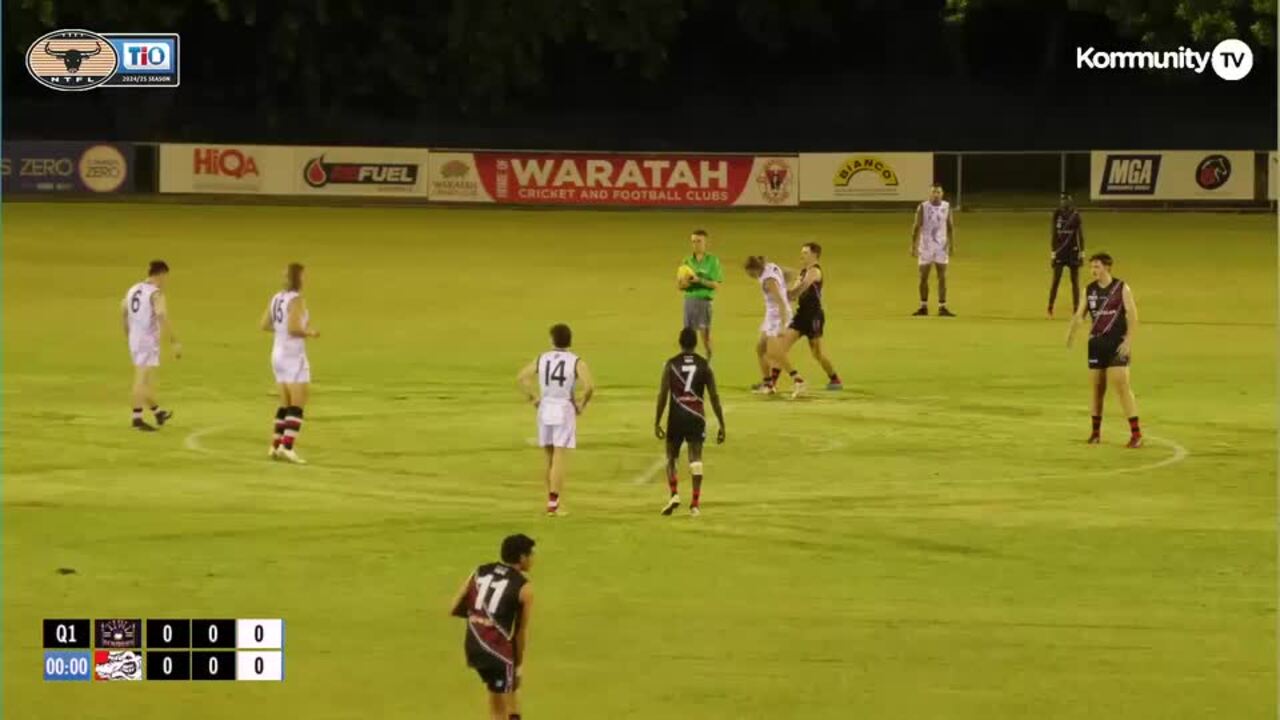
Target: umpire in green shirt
{"type": "Point", "coordinates": [701, 290]}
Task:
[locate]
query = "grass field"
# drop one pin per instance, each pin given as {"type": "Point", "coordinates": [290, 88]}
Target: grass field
{"type": "Point", "coordinates": [935, 542]}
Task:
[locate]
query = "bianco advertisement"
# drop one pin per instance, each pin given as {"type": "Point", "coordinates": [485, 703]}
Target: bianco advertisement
{"type": "Point", "coordinates": [865, 177]}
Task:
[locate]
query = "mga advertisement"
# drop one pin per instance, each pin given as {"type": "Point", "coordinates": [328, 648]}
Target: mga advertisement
{"type": "Point", "coordinates": [1172, 175]}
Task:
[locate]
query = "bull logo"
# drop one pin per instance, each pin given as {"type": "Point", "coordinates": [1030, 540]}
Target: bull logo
{"type": "Point", "coordinates": [72, 60]}
{"type": "Point", "coordinates": [775, 181]}
{"type": "Point", "coordinates": [1213, 172]}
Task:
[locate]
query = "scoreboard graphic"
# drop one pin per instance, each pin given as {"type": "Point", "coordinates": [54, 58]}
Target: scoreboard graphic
{"type": "Point", "coordinates": [125, 649]}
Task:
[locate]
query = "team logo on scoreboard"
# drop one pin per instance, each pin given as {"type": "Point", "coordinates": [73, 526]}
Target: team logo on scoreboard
{"type": "Point", "coordinates": [117, 665]}
{"type": "Point", "coordinates": [1213, 172]}
{"type": "Point", "coordinates": [775, 180]}
{"type": "Point", "coordinates": [118, 634]}
{"type": "Point", "coordinates": [73, 60]}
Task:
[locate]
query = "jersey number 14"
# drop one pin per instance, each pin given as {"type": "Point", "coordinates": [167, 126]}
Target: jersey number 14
{"type": "Point", "coordinates": [558, 374]}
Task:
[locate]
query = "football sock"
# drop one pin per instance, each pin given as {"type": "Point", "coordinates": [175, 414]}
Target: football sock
{"type": "Point", "coordinates": [292, 426]}
{"type": "Point", "coordinates": [278, 435]}
{"type": "Point", "coordinates": [1133, 426]}
{"type": "Point", "coordinates": [1097, 423]}
{"type": "Point", "coordinates": [553, 501]}
{"type": "Point", "coordinates": [774, 375]}
{"type": "Point", "coordinates": [795, 376]}
{"type": "Point", "coordinates": [673, 481]}
{"type": "Point", "coordinates": [697, 490]}
{"type": "Point", "coordinates": [137, 413]}
{"type": "Point", "coordinates": [155, 410]}
{"type": "Point", "coordinates": [834, 377]}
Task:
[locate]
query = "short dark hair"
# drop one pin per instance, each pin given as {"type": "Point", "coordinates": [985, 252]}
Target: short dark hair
{"type": "Point", "coordinates": [561, 335]}
{"type": "Point", "coordinates": [157, 267]}
{"type": "Point", "coordinates": [754, 262]}
{"type": "Point", "coordinates": [701, 232]}
{"type": "Point", "coordinates": [688, 339]}
{"type": "Point", "coordinates": [814, 248]}
{"type": "Point", "coordinates": [1103, 258]}
{"type": "Point", "coordinates": [935, 186]}
{"type": "Point", "coordinates": [293, 275]}
{"type": "Point", "coordinates": [515, 547]}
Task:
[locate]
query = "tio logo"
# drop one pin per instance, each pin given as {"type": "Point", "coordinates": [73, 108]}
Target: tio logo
{"type": "Point", "coordinates": [228, 163]}
{"type": "Point", "coordinates": [146, 56]}
{"type": "Point", "coordinates": [1232, 59]}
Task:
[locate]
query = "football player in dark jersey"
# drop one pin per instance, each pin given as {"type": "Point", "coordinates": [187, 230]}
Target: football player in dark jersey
{"type": "Point", "coordinates": [1066, 250]}
{"type": "Point", "coordinates": [496, 601]}
{"type": "Point", "coordinates": [686, 378]}
{"type": "Point", "coordinates": [810, 320]}
{"type": "Point", "coordinates": [1109, 304]}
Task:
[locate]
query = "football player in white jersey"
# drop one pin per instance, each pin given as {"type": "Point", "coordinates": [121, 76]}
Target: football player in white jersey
{"type": "Point", "coordinates": [932, 242]}
{"type": "Point", "coordinates": [550, 383]}
{"type": "Point", "coordinates": [777, 316]}
{"type": "Point", "coordinates": [146, 321]}
{"type": "Point", "coordinates": [287, 318]}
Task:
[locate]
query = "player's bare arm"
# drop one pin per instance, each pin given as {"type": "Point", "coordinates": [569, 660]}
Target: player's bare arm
{"type": "Point", "coordinates": [455, 608]}
{"type": "Point", "coordinates": [775, 295]}
{"type": "Point", "coordinates": [1077, 319]}
{"type": "Point", "coordinates": [161, 307]}
{"type": "Point", "coordinates": [265, 324]}
{"type": "Point", "coordinates": [714, 395]}
{"type": "Point", "coordinates": [664, 389]}
{"type": "Point", "coordinates": [811, 276]}
{"type": "Point", "coordinates": [522, 630]}
{"type": "Point", "coordinates": [526, 379]}
{"type": "Point", "coordinates": [1131, 315]}
{"type": "Point", "coordinates": [588, 385]}
{"type": "Point", "coordinates": [915, 229]}
{"type": "Point", "coordinates": [297, 310]}
{"type": "Point", "coordinates": [951, 235]}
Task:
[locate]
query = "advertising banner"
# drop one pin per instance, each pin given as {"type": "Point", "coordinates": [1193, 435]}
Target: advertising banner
{"type": "Point", "coordinates": [1172, 175]}
{"type": "Point", "coordinates": [208, 168]}
{"type": "Point", "coordinates": [376, 172]}
{"type": "Point", "coordinates": [865, 177]}
{"type": "Point", "coordinates": [642, 180]}
{"type": "Point", "coordinates": [66, 167]}
{"type": "Point", "coordinates": [1273, 174]}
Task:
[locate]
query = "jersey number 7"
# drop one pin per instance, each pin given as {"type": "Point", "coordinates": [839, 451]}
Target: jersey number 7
{"type": "Point", "coordinates": [688, 371]}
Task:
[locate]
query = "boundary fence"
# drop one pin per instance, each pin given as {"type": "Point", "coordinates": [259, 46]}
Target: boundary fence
{"type": "Point", "coordinates": [855, 180]}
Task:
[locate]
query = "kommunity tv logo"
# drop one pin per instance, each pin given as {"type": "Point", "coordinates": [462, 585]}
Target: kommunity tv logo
{"type": "Point", "coordinates": [1230, 59]}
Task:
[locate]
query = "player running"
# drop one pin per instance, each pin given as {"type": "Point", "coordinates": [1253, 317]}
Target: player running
{"type": "Point", "coordinates": [809, 321]}
{"type": "Point", "coordinates": [1066, 249]}
{"type": "Point", "coordinates": [288, 318]}
{"type": "Point", "coordinates": [496, 601]}
{"type": "Point", "coordinates": [777, 315]}
{"type": "Point", "coordinates": [700, 291]}
{"type": "Point", "coordinates": [558, 373]}
{"type": "Point", "coordinates": [686, 378]}
{"type": "Point", "coordinates": [1109, 303]}
{"type": "Point", "coordinates": [146, 319]}
{"type": "Point", "coordinates": [932, 242]}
